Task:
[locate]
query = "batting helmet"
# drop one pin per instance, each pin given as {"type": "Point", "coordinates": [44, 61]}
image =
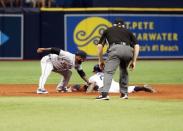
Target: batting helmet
{"type": "Point", "coordinates": [96, 68]}
{"type": "Point", "coordinates": [81, 53]}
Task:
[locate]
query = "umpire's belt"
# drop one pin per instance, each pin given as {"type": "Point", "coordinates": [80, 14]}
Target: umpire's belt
{"type": "Point", "coordinates": [120, 43]}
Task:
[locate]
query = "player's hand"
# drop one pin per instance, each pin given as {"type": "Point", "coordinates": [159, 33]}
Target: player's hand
{"type": "Point", "coordinates": [132, 65]}
{"type": "Point", "coordinates": [40, 50]}
{"type": "Point", "coordinates": [101, 65]}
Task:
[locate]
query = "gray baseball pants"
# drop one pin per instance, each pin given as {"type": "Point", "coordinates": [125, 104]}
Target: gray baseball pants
{"type": "Point", "coordinates": [118, 55]}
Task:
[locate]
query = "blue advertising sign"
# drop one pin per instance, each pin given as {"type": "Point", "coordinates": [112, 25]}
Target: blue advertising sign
{"type": "Point", "coordinates": [11, 36]}
{"type": "Point", "coordinates": [159, 35]}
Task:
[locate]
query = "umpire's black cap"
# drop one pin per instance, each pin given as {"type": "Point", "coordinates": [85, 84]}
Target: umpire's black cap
{"type": "Point", "coordinates": [96, 68]}
{"type": "Point", "coordinates": [119, 21]}
{"type": "Point", "coordinates": [81, 53]}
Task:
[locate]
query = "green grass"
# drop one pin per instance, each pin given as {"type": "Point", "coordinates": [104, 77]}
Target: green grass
{"type": "Point", "coordinates": [86, 114]}
{"type": "Point", "coordinates": [83, 113]}
{"type": "Point", "coordinates": [165, 72]}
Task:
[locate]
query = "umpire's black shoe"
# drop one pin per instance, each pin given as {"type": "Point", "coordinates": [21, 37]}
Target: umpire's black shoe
{"type": "Point", "coordinates": [124, 96]}
{"type": "Point", "coordinates": [102, 97]}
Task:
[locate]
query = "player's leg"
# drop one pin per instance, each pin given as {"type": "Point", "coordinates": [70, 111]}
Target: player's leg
{"type": "Point", "coordinates": [145, 88]}
{"type": "Point", "coordinates": [125, 54]}
{"type": "Point", "coordinates": [131, 89]}
{"type": "Point", "coordinates": [111, 65]}
{"type": "Point", "coordinates": [46, 68]}
{"type": "Point", "coordinates": [123, 81]}
{"type": "Point", "coordinates": [62, 86]}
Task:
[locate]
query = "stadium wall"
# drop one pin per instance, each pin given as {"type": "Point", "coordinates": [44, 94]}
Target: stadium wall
{"type": "Point", "coordinates": [120, 3]}
{"type": "Point", "coordinates": [58, 27]}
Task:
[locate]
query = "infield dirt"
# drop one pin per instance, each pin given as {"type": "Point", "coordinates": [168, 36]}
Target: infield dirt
{"type": "Point", "coordinates": [163, 91]}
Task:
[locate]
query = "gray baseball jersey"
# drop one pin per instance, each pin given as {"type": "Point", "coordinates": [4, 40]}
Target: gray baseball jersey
{"type": "Point", "coordinates": [64, 61]}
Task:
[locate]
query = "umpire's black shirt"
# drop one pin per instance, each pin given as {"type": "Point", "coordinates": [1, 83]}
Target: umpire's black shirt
{"type": "Point", "coordinates": [117, 35]}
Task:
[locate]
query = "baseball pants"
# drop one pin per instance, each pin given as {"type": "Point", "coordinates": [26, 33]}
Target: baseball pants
{"type": "Point", "coordinates": [47, 68]}
{"type": "Point", "coordinates": [118, 55]}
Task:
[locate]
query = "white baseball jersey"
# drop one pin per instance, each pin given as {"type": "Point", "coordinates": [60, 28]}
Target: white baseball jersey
{"type": "Point", "coordinates": [98, 80]}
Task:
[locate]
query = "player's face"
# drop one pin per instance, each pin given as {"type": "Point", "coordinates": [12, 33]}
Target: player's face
{"type": "Point", "coordinates": [80, 59]}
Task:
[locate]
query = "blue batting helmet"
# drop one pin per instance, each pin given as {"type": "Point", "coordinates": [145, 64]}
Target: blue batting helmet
{"type": "Point", "coordinates": [96, 68]}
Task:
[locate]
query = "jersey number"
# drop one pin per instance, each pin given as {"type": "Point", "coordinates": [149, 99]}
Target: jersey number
{"type": "Point", "coordinates": [101, 77]}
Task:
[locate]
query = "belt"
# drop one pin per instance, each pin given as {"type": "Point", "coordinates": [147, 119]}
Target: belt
{"type": "Point", "coordinates": [120, 43]}
{"type": "Point", "coordinates": [117, 43]}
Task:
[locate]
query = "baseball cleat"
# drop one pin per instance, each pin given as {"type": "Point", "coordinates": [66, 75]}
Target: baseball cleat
{"type": "Point", "coordinates": [61, 89]}
{"type": "Point", "coordinates": [149, 89]}
{"type": "Point", "coordinates": [102, 97]}
{"type": "Point", "coordinates": [124, 96]}
{"type": "Point", "coordinates": [42, 91]}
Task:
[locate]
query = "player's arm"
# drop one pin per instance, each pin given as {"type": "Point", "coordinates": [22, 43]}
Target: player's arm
{"type": "Point", "coordinates": [83, 76]}
{"type": "Point", "coordinates": [136, 49]}
{"type": "Point", "coordinates": [100, 56]}
{"type": "Point", "coordinates": [52, 50]}
{"type": "Point", "coordinates": [100, 50]}
{"type": "Point", "coordinates": [135, 55]}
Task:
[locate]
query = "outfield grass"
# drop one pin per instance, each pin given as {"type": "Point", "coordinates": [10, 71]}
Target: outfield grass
{"type": "Point", "coordinates": [86, 114]}
{"type": "Point", "coordinates": [165, 72]}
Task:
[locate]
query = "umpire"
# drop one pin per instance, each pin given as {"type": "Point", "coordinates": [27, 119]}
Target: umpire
{"type": "Point", "coordinates": [123, 51]}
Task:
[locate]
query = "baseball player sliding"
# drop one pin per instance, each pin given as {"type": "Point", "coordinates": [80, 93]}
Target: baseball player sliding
{"type": "Point", "coordinates": [97, 84]}
{"type": "Point", "coordinates": [61, 62]}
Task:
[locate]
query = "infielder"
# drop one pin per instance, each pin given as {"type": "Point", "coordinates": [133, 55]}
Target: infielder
{"type": "Point", "coordinates": [61, 62]}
